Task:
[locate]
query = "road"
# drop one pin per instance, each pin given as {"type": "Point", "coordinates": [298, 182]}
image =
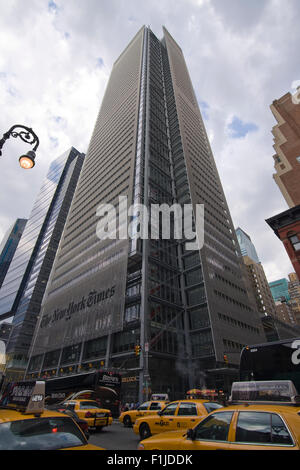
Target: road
{"type": "Point", "coordinates": [115, 437]}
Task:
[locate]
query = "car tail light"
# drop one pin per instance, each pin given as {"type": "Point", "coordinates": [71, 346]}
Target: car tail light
{"type": "Point", "coordinates": [109, 414]}
{"type": "Point", "coordinates": [88, 415]}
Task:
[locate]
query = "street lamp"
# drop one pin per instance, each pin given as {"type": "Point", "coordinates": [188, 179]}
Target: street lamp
{"type": "Point", "coordinates": [27, 135]}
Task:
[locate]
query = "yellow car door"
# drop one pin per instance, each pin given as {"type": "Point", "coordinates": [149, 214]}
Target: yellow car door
{"type": "Point", "coordinates": [212, 433]}
{"type": "Point", "coordinates": [166, 419]}
{"type": "Point", "coordinates": [187, 416]}
{"type": "Point", "coordinates": [142, 410]}
{"type": "Point", "coordinates": [260, 430]}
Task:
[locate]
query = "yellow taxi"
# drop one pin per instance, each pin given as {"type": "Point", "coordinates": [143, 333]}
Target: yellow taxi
{"type": "Point", "coordinates": [26, 425]}
{"type": "Point", "coordinates": [91, 412]}
{"type": "Point", "coordinates": [148, 408]}
{"type": "Point", "coordinates": [267, 418]}
{"type": "Point", "coordinates": [177, 415]}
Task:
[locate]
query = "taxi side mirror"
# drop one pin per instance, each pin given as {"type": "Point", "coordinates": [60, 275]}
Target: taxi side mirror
{"type": "Point", "coordinates": [190, 434]}
{"type": "Point", "coordinates": [159, 413]}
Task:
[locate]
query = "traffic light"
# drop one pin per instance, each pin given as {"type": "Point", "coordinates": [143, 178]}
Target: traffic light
{"type": "Point", "coordinates": [137, 349]}
{"type": "Point", "coordinates": [225, 359]}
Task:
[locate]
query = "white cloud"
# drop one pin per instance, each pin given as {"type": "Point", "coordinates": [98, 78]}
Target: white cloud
{"type": "Point", "coordinates": [55, 61]}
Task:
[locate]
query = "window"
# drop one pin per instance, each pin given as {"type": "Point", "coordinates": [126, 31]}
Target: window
{"type": "Point", "coordinates": [187, 409]}
{"type": "Point", "coordinates": [211, 406]}
{"type": "Point", "coordinates": [51, 358]}
{"type": "Point", "coordinates": [144, 406]}
{"type": "Point", "coordinates": [295, 241]}
{"type": "Point", "coordinates": [71, 354]}
{"type": "Point", "coordinates": [155, 406]}
{"type": "Point", "coordinates": [40, 434]}
{"type": "Point", "coordinates": [215, 427]}
{"type": "Point", "coordinates": [196, 296]}
{"type": "Point", "coordinates": [199, 318]}
{"type": "Point", "coordinates": [262, 428]}
{"type": "Point", "coordinates": [71, 406]}
{"type": "Point", "coordinates": [170, 410]}
{"type": "Point", "coordinates": [86, 405]}
{"type": "Point", "coordinates": [280, 434]}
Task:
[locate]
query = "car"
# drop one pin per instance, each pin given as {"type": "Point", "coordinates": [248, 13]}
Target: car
{"type": "Point", "coordinates": [26, 425]}
{"type": "Point", "coordinates": [129, 417]}
{"type": "Point", "coordinates": [177, 415]}
{"type": "Point", "coordinates": [91, 412]}
{"type": "Point", "coordinates": [243, 425]}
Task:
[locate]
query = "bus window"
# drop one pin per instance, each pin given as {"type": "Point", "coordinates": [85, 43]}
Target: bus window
{"type": "Point", "coordinates": [278, 360]}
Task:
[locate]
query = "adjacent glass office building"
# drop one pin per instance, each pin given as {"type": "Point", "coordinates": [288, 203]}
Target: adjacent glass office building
{"type": "Point", "coordinates": [246, 245]}
{"type": "Point", "coordinates": [9, 245]}
{"type": "Point", "coordinates": [188, 310]}
{"type": "Point", "coordinates": [280, 290]}
{"type": "Point", "coordinates": [22, 292]}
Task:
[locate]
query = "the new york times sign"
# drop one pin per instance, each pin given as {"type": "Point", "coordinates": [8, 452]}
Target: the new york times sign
{"type": "Point", "coordinates": [92, 299]}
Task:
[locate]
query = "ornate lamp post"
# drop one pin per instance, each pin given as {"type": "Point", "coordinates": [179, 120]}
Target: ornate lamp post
{"type": "Point", "coordinates": [27, 135]}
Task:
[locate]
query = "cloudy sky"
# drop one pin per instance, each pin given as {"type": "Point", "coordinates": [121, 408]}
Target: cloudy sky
{"type": "Point", "coordinates": [56, 57]}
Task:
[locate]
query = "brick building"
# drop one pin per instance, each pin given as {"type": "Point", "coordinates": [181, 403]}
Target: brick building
{"type": "Point", "coordinates": [287, 165]}
{"type": "Point", "coordinates": [286, 226]}
{"type": "Point", "coordinates": [287, 146]}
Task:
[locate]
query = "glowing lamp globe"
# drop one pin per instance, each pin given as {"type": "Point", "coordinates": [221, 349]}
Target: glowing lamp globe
{"type": "Point", "coordinates": [27, 161]}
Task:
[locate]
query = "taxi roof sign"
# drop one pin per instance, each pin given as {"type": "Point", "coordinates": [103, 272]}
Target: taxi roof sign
{"type": "Point", "coordinates": [160, 396]}
{"type": "Point", "coordinates": [26, 396]}
{"type": "Point", "coordinates": [271, 391]}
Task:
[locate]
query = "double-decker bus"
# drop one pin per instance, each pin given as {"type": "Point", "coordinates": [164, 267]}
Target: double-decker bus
{"type": "Point", "coordinates": [277, 360]}
{"type": "Point", "coordinates": [102, 386]}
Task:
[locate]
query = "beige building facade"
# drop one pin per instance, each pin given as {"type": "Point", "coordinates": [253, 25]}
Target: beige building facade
{"type": "Point", "coordinates": [262, 293]}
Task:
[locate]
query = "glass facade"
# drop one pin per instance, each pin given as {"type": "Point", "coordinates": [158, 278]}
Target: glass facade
{"type": "Point", "coordinates": [21, 263]}
{"type": "Point", "coordinates": [246, 245]}
{"type": "Point", "coordinates": [9, 245]}
{"type": "Point", "coordinates": [36, 253]}
{"type": "Point", "coordinates": [280, 290]}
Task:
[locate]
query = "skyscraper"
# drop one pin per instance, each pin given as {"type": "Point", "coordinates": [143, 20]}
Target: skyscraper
{"type": "Point", "coordinates": [9, 245]}
{"type": "Point", "coordinates": [246, 245]}
{"type": "Point", "coordinates": [24, 286]}
{"type": "Point", "coordinates": [264, 300]}
{"type": "Point", "coordinates": [280, 290]}
{"type": "Point", "coordinates": [258, 282]}
{"type": "Point", "coordinates": [187, 309]}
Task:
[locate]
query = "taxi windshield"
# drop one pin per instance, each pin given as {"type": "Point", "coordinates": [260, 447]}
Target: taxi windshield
{"type": "Point", "coordinates": [89, 404]}
{"type": "Point", "coordinates": [40, 434]}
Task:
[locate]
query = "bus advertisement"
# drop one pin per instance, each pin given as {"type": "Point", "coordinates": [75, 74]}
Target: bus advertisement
{"type": "Point", "coordinates": [278, 360]}
{"type": "Point", "coordinates": [102, 386]}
